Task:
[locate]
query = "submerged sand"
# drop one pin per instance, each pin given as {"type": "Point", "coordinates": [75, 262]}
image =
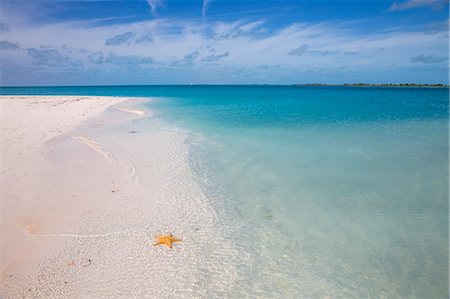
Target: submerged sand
{"type": "Point", "coordinates": [84, 190]}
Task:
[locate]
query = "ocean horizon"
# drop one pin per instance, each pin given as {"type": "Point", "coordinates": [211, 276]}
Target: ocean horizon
{"type": "Point", "coordinates": [323, 191]}
{"type": "Point", "coordinates": [318, 84]}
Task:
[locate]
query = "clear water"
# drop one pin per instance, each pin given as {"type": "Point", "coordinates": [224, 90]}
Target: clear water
{"type": "Point", "coordinates": [327, 191]}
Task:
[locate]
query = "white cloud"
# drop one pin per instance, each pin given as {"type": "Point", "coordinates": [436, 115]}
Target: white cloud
{"type": "Point", "coordinates": [236, 28]}
{"type": "Point", "coordinates": [236, 46]}
{"type": "Point", "coordinates": [154, 5]}
{"type": "Point", "coordinates": [409, 4]}
{"type": "Point", "coordinates": [205, 7]}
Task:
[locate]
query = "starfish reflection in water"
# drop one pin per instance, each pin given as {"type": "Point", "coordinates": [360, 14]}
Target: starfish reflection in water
{"type": "Point", "coordinates": [166, 240]}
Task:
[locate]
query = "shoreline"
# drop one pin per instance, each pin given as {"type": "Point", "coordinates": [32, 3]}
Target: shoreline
{"type": "Point", "coordinates": [23, 139]}
{"type": "Point", "coordinates": [85, 200]}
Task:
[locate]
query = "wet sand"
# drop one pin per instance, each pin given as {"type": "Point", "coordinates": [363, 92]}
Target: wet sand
{"type": "Point", "coordinates": [85, 189]}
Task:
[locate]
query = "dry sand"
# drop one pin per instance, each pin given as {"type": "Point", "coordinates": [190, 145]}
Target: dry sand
{"type": "Point", "coordinates": [83, 191]}
{"type": "Point", "coordinates": [28, 123]}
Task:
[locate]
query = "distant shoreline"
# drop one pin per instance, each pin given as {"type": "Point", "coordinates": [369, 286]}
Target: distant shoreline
{"type": "Point", "coordinates": [400, 85]}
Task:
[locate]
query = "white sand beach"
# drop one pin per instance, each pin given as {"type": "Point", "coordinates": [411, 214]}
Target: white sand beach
{"type": "Point", "coordinates": [84, 191]}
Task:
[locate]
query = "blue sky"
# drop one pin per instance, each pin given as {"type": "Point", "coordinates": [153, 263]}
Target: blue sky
{"type": "Point", "coordinates": [223, 42]}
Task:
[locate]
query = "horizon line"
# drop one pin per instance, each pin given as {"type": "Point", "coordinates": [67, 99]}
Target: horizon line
{"type": "Point", "coordinates": [358, 84]}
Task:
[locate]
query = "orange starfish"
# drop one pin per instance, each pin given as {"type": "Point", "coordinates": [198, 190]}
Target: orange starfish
{"type": "Point", "coordinates": [166, 240]}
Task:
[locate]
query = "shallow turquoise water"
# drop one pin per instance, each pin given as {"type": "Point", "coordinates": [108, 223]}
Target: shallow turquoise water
{"type": "Point", "coordinates": [328, 191]}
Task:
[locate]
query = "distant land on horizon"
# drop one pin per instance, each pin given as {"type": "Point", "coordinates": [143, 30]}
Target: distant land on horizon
{"type": "Point", "coordinates": [434, 85]}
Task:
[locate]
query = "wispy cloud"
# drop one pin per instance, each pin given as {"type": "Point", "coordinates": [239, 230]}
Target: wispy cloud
{"type": "Point", "coordinates": [154, 5]}
{"type": "Point", "coordinates": [187, 60]}
{"type": "Point", "coordinates": [428, 59]}
{"type": "Point", "coordinates": [122, 60]}
{"type": "Point", "coordinates": [439, 27]}
{"type": "Point", "coordinates": [299, 51]}
{"type": "Point", "coordinates": [409, 4]}
{"type": "Point", "coordinates": [6, 45]}
{"type": "Point", "coordinates": [47, 56]}
{"type": "Point", "coordinates": [214, 57]}
{"type": "Point", "coordinates": [190, 57]}
{"type": "Point", "coordinates": [144, 38]}
{"type": "Point", "coordinates": [237, 28]}
{"type": "Point", "coordinates": [205, 7]}
{"type": "Point", "coordinates": [120, 39]}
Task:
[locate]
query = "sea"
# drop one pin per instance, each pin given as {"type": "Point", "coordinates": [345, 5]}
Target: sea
{"type": "Point", "coordinates": [327, 191]}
